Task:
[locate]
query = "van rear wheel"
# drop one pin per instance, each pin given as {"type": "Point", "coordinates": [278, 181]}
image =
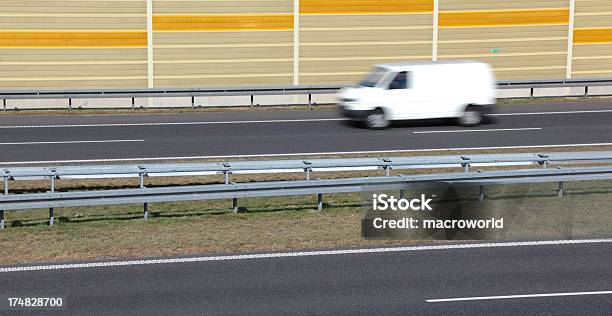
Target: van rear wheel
{"type": "Point", "coordinates": [377, 120]}
{"type": "Point", "coordinates": [471, 116]}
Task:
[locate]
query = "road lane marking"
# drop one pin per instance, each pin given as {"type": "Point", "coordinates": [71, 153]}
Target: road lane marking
{"type": "Point", "coordinates": [260, 121]}
{"type": "Point", "coordinates": [480, 130]}
{"type": "Point", "coordinates": [170, 123]}
{"type": "Point", "coordinates": [297, 154]}
{"type": "Point", "coordinates": [551, 113]}
{"type": "Point", "coordinates": [298, 254]}
{"type": "Point", "coordinates": [78, 142]}
{"type": "Point", "coordinates": [502, 297]}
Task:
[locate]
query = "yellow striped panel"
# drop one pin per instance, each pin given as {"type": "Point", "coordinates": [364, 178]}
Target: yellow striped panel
{"type": "Point", "coordinates": [503, 17]}
{"type": "Point", "coordinates": [593, 36]}
{"type": "Point", "coordinates": [222, 22]}
{"type": "Point", "coordinates": [365, 6]}
{"type": "Point", "coordinates": [71, 39]}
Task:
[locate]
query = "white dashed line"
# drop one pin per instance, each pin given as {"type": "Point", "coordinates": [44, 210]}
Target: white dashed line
{"type": "Point", "coordinates": [480, 130]}
{"type": "Point", "coordinates": [78, 142]}
{"type": "Point", "coordinates": [551, 113]}
{"type": "Point", "coordinates": [297, 254]}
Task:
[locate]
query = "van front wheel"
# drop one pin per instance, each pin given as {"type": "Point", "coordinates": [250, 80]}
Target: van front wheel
{"type": "Point", "coordinates": [377, 120]}
{"type": "Point", "coordinates": [470, 117]}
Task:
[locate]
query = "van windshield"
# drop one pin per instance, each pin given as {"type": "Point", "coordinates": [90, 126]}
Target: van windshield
{"type": "Point", "coordinates": [373, 77]}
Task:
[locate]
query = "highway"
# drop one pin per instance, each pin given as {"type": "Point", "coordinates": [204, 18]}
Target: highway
{"type": "Point", "coordinates": [56, 138]}
{"type": "Point", "coordinates": [513, 279]}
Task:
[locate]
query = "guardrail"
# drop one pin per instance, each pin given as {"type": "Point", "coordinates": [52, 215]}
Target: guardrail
{"type": "Point", "coordinates": [54, 199]}
{"type": "Point", "coordinates": [254, 91]}
{"type": "Point", "coordinates": [234, 191]}
{"type": "Point", "coordinates": [291, 166]}
{"type": "Point", "coordinates": [169, 92]}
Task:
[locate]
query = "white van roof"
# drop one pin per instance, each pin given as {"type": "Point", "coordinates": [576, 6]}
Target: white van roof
{"type": "Point", "coordinates": [409, 65]}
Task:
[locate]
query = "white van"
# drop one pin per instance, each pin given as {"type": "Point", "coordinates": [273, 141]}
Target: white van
{"type": "Point", "coordinates": [464, 90]}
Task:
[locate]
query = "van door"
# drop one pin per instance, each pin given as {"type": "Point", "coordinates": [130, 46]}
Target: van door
{"type": "Point", "coordinates": [399, 95]}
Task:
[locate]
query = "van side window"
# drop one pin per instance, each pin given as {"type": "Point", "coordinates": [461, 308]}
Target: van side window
{"type": "Point", "coordinates": [401, 81]}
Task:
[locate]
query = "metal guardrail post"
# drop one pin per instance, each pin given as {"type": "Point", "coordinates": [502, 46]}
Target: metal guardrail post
{"type": "Point", "coordinates": [481, 195]}
{"type": "Point", "coordinates": [6, 184]}
{"type": "Point", "coordinates": [466, 163]}
{"type": "Point", "coordinates": [4, 105]}
{"type": "Point", "coordinates": [193, 102]}
{"type": "Point", "coordinates": [402, 194]}
{"type": "Point", "coordinates": [226, 180]}
{"type": "Point", "coordinates": [141, 181]}
{"type": "Point", "coordinates": [560, 190]}
{"type": "Point", "coordinates": [387, 167]}
{"type": "Point", "coordinates": [544, 161]}
{"type": "Point", "coordinates": [226, 173]}
{"type": "Point", "coordinates": [307, 169]}
{"type": "Point", "coordinates": [141, 178]}
{"type": "Point", "coordinates": [5, 181]}
{"type": "Point", "coordinates": [235, 205]}
{"type": "Point", "coordinates": [320, 202]}
{"type": "Point", "coordinates": [586, 92]}
{"type": "Point", "coordinates": [51, 216]}
{"type": "Point", "coordinates": [51, 209]}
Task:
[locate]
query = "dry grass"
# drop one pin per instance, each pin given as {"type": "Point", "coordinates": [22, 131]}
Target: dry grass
{"type": "Point", "coordinates": [183, 228]}
{"type": "Point", "coordinates": [266, 224]}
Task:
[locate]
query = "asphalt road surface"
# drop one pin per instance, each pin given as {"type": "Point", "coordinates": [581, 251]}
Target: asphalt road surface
{"type": "Point", "coordinates": [25, 138]}
{"type": "Point", "coordinates": [390, 283]}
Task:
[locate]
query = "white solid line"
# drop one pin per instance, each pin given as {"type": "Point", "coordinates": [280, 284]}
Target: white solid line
{"type": "Point", "coordinates": [298, 254]}
{"type": "Point", "coordinates": [480, 130]}
{"type": "Point", "coordinates": [299, 154]}
{"type": "Point", "coordinates": [78, 142]}
{"type": "Point", "coordinates": [501, 297]}
{"type": "Point", "coordinates": [170, 123]}
{"type": "Point", "coordinates": [551, 113]}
